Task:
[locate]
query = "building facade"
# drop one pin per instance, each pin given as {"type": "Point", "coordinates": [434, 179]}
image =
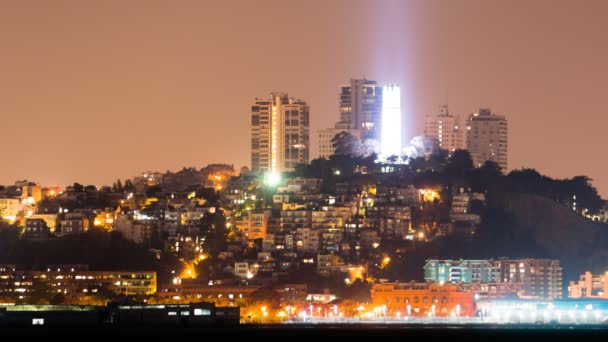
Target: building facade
{"type": "Point", "coordinates": [422, 299]}
{"type": "Point", "coordinates": [74, 223]}
{"type": "Point", "coordinates": [9, 208]}
{"type": "Point", "coordinates": [487, 138]}
{"type": "Point", "coordinates": [255, 223]}
{"type": "Point", "coordinates": [76, 280]}
{"type": "Point", "coordinates": [36, 229]}
{"type": "Point", "coordinates": [589, 286]}
{"type": "Point", "coordinates": [446, 129]}
{"type": "Point", "coordinates": [540, 278]}
{"type": "Point", "coordinates": [361, 108]}
{"type": "Point", "coordinates": [279, 133]}
{"type": "Point", "coordinates": [461, 271]}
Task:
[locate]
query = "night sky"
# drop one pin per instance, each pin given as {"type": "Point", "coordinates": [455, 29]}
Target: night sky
{"type": "Point", "coordinates": [91, 91]}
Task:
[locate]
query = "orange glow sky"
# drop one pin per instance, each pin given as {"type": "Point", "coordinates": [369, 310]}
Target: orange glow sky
{"type": "Point", "coordinates": [91, 91]}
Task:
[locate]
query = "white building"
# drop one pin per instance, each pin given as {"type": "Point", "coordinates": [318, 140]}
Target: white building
{"type": "Point", "coordinates": [241, 270]}
{"type": "Point", "coordinates": [446, 130]}
{"type": "Point", "coordinates": [487, 138]}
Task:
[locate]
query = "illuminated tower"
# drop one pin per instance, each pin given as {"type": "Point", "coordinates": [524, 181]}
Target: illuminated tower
{"type": "Point", "coordinates": [279, 133]}
{"type": "Point", "coordinates": [391, 121]}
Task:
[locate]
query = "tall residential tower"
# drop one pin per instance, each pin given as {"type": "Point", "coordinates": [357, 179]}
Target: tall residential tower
{"type": "Point", "coordinates": [361, 108]}
{"type": "Point", "coordinates": [445, 128]}
{"type": "Point", "coordinates": [279, 133]}
{"type": "Point", "coordinates": [487, 138]}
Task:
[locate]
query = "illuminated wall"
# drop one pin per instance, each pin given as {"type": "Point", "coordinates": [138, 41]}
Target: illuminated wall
{"type": "Point", "coordinates": [422, 300]}
{"type": "Point", "coordinates": [391, 121]}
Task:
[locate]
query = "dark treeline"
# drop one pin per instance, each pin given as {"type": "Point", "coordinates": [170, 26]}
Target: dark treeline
{"type": "Point", "coordinates": [450, 174]}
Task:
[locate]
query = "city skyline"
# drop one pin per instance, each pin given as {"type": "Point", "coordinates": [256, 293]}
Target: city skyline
{"type": "Point", "coordinates": [102, 91]}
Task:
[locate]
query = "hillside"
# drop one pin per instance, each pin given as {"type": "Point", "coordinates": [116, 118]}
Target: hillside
{"type": "Point", "coordinates": [580, 244]}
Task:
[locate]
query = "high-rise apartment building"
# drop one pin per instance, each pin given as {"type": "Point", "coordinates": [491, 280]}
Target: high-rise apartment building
{"type": "Point", "coordinates": [540, 278]}
{"type": "Point", "coordinates": [487, 138]}
{"type": "Point", "coordinates": [461, 271]}
{"type": "Point", "coordinates": [446, 129]}
{"type": "Point", "coordinates": [279, 133]}
{"type": "Point", "coordinates": [361, 108]}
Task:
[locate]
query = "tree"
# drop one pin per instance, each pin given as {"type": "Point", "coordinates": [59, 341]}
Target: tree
{"type": "Point", "coordinates": [421, 146]}
{"type": "Point", "coordinates": [39, 294]}
{"type": "Point", "coordinates": [213, 225]}
{"type": "Point", "coordinates": [458, 166]}
{"type": "Point", "coordinates": [58, 299]}
{"type": "Point", "coordinates": [587, 196]}
{"type": "Point", "coordinates": [344, 143]}
{"type": "Point", "coordinates": [265, 296]}
{"type": "Point", "coordinates": [438, 159]}
{"type": "Point", "coordinates": [117, 186]}
{"type": "Point", "coordinates": [488, 177]}
{"type": "Point", "coordinates": [129, 187]}
{"type": "Point", "coordinates": [359, 291]}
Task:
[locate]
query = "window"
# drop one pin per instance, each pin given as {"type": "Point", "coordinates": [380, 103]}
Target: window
{"type": "Point", "coordinates": [202, 312]}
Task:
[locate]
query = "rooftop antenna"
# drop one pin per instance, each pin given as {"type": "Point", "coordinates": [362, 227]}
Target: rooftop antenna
{"type": "Point", "coordinates": [444, 109]}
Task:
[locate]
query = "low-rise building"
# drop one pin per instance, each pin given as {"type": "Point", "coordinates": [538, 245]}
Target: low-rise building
{"type": "Point", "coordinates": [422, 299]}
{"type": "Point", "coordinates": [50, 219]}
{"type": "Point", "coordinates": [320, 298]}
{"type": "Point", "coordinates": [307, 240]}
{"type": "Point", "coordinates": [241, 270]}
{"type": "Point", "coordinates": [324, 264]}
{"type": "Point", "coordinates": [589, 286]}
{"type": "Point", "coordinates": [255, 223]}
{"type": "Point", "coordinates": [74, 223]}
{"type": "Point", "coordinates": [9, 208]}
{"type": "Point", "coordinates": [36, 229]}
{"type": "Point", "coordinates": [392, 220]}
{"type": "Point", "coordinates": [74, 280]}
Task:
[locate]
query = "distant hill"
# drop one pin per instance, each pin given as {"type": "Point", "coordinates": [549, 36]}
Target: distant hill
{"type": "Point", "coordinates": [579, 243]}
